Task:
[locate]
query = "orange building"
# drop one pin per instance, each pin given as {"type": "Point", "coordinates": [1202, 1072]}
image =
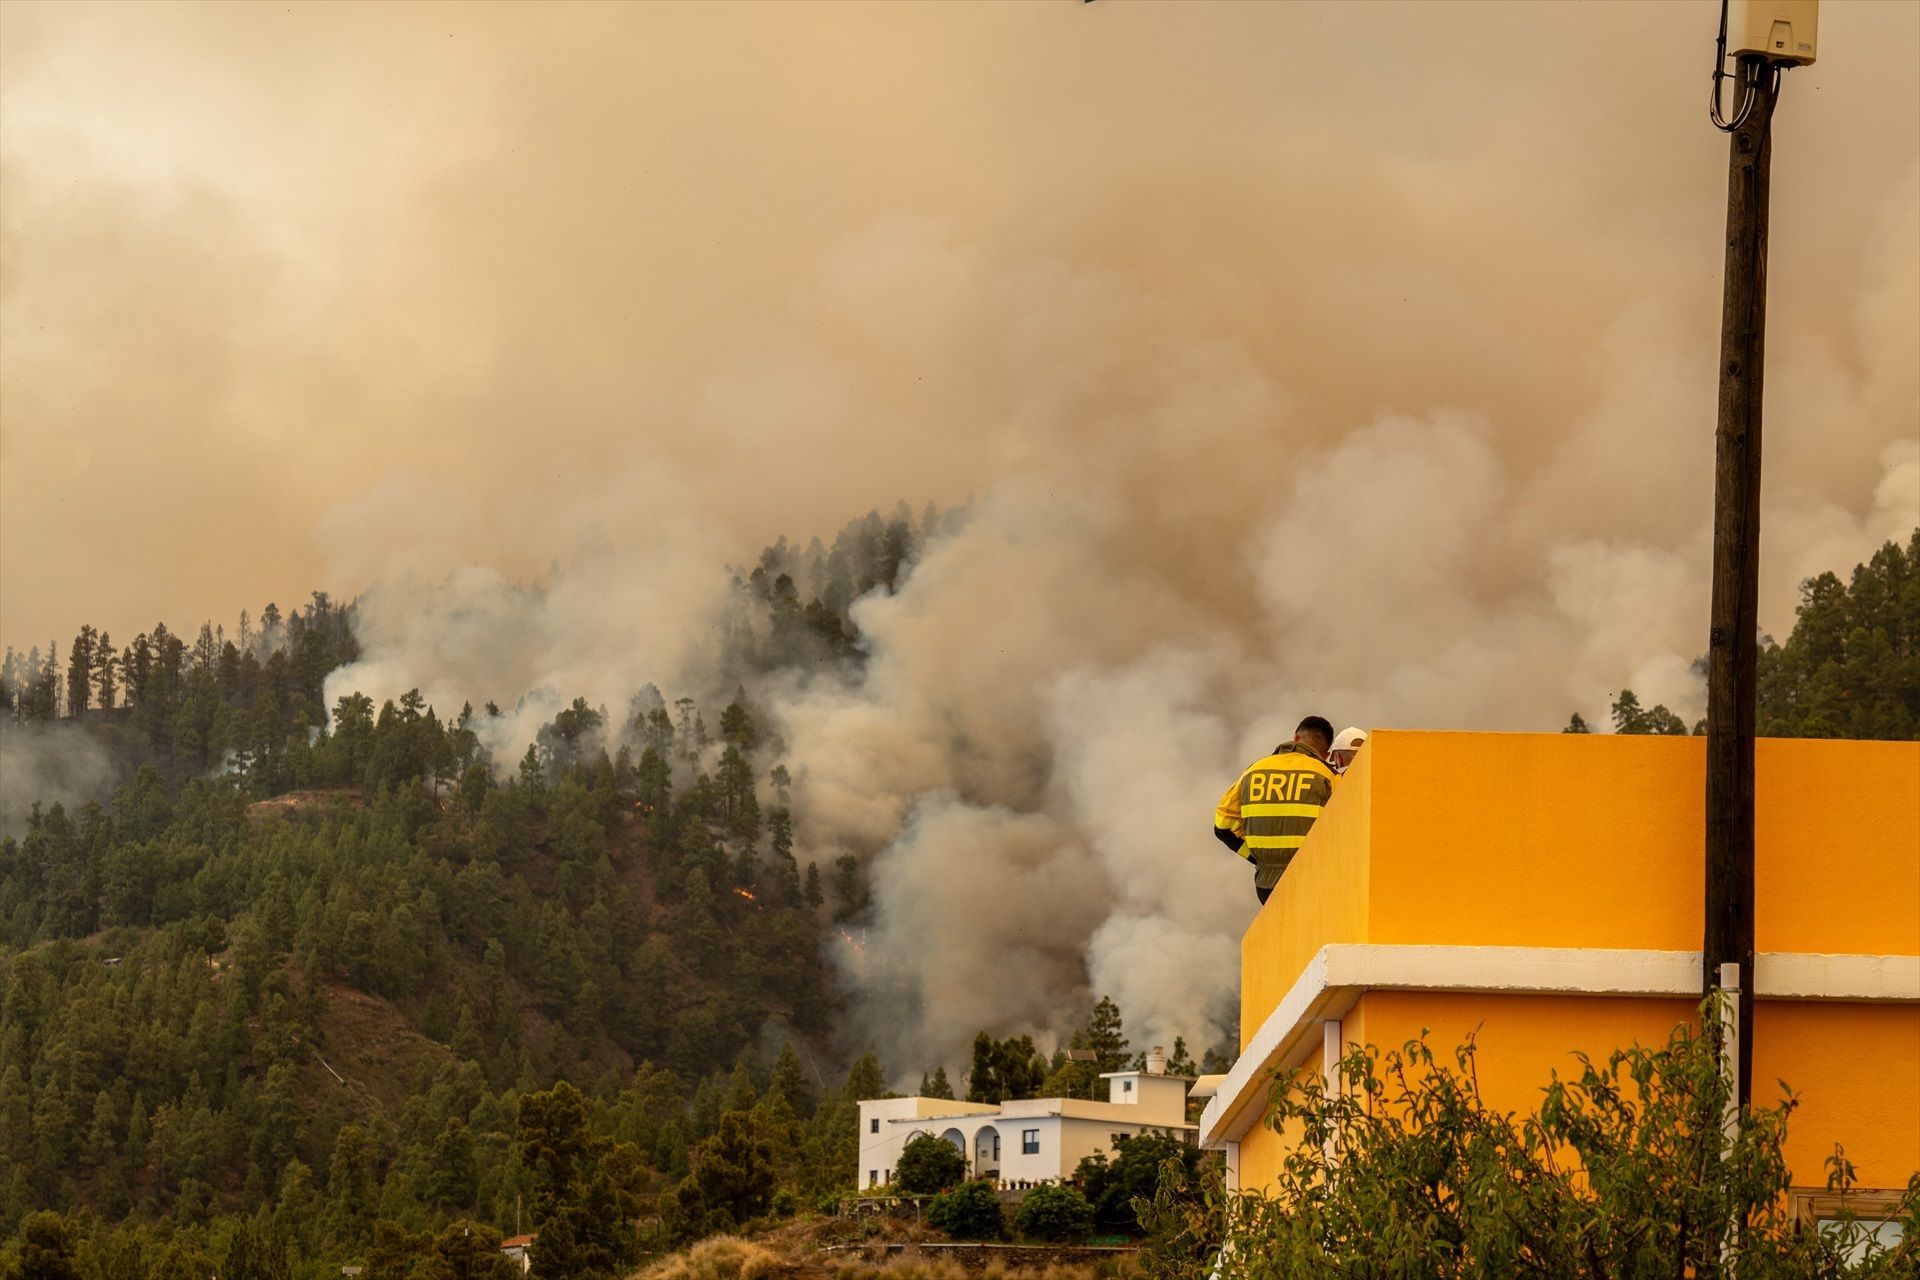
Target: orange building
{"type": "Point", "coordinates": [1544, 893]}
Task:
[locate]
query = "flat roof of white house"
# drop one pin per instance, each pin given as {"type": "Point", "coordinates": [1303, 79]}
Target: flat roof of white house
{"type": "Point", "coordinates": [1041, 1108]}
{"type": "Point", "coordinates": [933, 1108]}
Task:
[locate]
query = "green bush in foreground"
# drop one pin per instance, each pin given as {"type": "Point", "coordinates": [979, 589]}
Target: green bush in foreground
{"type": "Point", "coordinates": [1618, 1173]}
{"type": "Point", "coordinates": [1114, 1186]}
{"type": "Point", "coordinates": [1056, 1214]}
{"type": "Point", "coordinates": [929, 1164]}
{"type": "Point", "coordinates": [971, 1211]}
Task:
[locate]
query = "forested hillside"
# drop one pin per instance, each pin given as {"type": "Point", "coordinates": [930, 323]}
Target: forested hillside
{"type": "Point", "coordinates": [312, 986]}
{"type": "Point", "coordinates": [319, 965]}
{"type": "Point", "coordinates": [1850, 668]}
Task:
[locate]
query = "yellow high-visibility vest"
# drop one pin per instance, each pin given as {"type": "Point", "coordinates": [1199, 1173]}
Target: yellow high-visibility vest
{"type": "Point", "coordinates": [1273, 806]}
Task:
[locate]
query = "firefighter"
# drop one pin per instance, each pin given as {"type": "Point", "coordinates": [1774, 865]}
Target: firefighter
{"type": "Point", "coordinates": [1265, 816]}
{"type": "Point", "coordinates": [1345, 747]}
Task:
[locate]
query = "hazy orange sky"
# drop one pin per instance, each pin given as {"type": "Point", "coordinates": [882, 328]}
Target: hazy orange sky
{"type": "Point", "coordinates": [1354, 359]}
{"type": "Point", "coordinates": [301, 296]}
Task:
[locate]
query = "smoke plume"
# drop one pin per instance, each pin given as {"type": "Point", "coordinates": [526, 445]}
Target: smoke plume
{"type": "Point", "coordinates": [49, 764]}
{"type": "Point", "coordinates": [1373, 382]}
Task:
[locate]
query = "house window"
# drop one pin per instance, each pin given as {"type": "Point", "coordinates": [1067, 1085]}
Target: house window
{"type": "Point", "coordinates": [1126, 1086]}
{"type": "Point", "coordinates": [1030, 1142]}
{"type": "Point", "coordinates": [873, 1177]}
{"type": "Point", "coordinates": [1874, 1218]}
{"type": "Point", "coordinates": [873, 1126]}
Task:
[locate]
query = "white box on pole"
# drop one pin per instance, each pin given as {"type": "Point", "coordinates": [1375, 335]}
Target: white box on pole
{"type": "Point", "coordinates": [1777, 30]}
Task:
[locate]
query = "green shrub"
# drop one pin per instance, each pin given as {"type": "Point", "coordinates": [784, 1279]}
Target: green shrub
{"type": "Point", "coordinates": [1055, 1213]}
{"type": "Point", "coordinates": [1116, 1186]}
{"type": "Point", "coordinates": [929, 1164]}
{"type": "Point", "coordinates": [1620, 1171]}
{"type": "Point", "coordinates": [971, 1211]}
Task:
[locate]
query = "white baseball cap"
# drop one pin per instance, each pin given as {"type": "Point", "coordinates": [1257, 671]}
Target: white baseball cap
{"type": "Point", "coordinates": [1350, 739]}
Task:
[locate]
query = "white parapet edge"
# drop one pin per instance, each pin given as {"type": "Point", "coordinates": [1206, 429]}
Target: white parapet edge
{"type": "Point", "coordinates": [1339, 973]}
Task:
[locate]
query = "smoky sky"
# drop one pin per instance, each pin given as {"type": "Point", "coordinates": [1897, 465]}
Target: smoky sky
{"type": "Point", "coordinates": [296, 295]}
{"type": "Point", "coordinates": [1344, 358]}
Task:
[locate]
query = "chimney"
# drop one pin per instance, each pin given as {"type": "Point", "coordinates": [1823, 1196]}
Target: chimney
{"type": "Point", "coordinates": [1157, 1062]}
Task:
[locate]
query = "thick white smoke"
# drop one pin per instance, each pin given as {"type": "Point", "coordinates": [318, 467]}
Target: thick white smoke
{"type": "Point", "coordinates": [1165, 569]}
{"type": "Point", "coordinates": [1375, 381]}
{"type": "Point", "coordinates": [49, 764]}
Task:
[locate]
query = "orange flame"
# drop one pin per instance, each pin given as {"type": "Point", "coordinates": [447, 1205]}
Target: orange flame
{"type": "Point", "coordinates": [747, 894]}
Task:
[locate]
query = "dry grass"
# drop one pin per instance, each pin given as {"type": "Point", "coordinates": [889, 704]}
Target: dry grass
{"type": "Point", "coordinates": [720, 1258]}
{"type": "Point", "coordinates": [791, 1258]}
{"type": "Point", "coordinates": [909, 1266]}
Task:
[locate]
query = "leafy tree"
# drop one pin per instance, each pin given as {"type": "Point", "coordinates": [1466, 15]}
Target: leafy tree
{"type": "Point", "coordinates": [865, 1079]}
{"type": "Point", "coordinates": [849, 888]}
{"type": "Point", "coordinates": [1114, 1185]}
{"type": "Point", "coordinates": [1630, 717]}
{"type": "Point", "coordinates": [789, 1081]}
{"type": "Point", "coordinates": [469, 1250]}
{"type": "Point", "coordinates": [80, 672]}
{"type": "Point", "coordinates": [1620, 1171]}
{"type": "Point", "coordinates": [1105, 1037]}
{"type": "Point", "coordinates": [455, 1178]}
{"type": "Point", "coordinates": [971, 1211]}
{"type": "Point", "coordinates": [583, 1188]}
{"type": "Point", "coordinates": [936, 1085]}
{"type": "Point", "coordinates": [106, 667]}
{"type": "Point", "coordinates": [254, 1253]}
{"type": "Point", "coordinates": [1851, 667]}
{"type": "Point", "coordinates": [736, 724]}
{"type": "Point", "coordinates": [48, 1247]}
{"type": "Point", "coordinates": [1004, 1069]}
{"type": "Point", "coordinates": [929, 1164]}
{"type": "Point", "coordinates": [351, 1181]}
{"type": "Point", "coordinates": [732, 1179]}
{"type": "Point", "coordinates": [1055, 1213]}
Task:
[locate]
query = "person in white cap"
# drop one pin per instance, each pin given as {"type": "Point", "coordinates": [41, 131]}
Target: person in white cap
{"type": "Point", "coordinates": [1345, 747]}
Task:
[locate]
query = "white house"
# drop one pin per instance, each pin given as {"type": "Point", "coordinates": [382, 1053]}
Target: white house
{"type": "Point", "coordinates": [1029, 1140]}
{"type": "Point", "coordinates": [519, 1251]}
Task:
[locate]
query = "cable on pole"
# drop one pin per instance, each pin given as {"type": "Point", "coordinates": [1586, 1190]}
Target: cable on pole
{"type": "Point", "coordinates": [1748, 75]}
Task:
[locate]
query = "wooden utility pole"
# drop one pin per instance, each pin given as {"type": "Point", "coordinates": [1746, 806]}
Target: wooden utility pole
{"type": "Point", "coordinates": [1734, 637]}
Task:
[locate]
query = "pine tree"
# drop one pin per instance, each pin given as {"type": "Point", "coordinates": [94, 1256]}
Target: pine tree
{"type": "Point", "coordinates": [1106, 1037]}
{"type": "Point", "coordinates": [455, 1178]}
{"type": "Point", "coordinates": [1629, 717]}
{"type": "Point", "coordinates": [105, 665]}
{"type": "Point", "coordinates": [865, 1080]}
{"type": "Point", "coordinates": [789, 1081]}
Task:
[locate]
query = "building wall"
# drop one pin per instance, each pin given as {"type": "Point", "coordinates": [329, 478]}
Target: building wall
{"type": "Point", "coordinates": [1162, 1099]}
{"type": "Point", "coordinates": [1065, 1140]}
{"type": "Point", "coordinates": [899, 1119]}
{"type": "Point", "coordinates": [1570, 841]}
{"type": "Point", "coordinates": [1854, 1067]}
{"type": "Point", "coordinates": [1321, 899]}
